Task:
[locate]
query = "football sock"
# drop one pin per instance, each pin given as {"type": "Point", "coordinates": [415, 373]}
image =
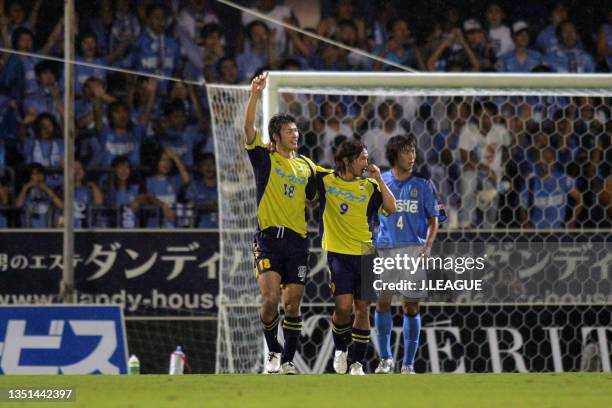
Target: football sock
{"type": "Point", "coordinates": [412, 332]}
{"type": "Point", "coordinates": [384, 323]}
{"type": "Point", "coordinates": [359, 346]}
{"type": "Point", "coordinates": [292, 326]}
{"type": "Point", "coordinates": [340, 334]}
{"type": "Point", "coordinates": [270, 330]}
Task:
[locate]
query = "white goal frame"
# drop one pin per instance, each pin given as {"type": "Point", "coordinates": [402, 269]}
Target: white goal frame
{"type": "Point", "coordinates": [507, 83]}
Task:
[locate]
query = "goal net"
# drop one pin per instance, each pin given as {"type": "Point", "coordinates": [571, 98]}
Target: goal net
{"type": "Point", "coordinates": [546, 233]}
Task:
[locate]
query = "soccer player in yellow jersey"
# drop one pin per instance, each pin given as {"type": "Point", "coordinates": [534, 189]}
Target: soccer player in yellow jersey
{"type": "Point", "coordinates": [349, 205]}
{"type": "Point", "coordinates": [284, 180]}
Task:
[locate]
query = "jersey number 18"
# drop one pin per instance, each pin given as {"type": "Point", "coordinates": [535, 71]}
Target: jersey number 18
{"type": "Point", "coordinates": [289, 190]}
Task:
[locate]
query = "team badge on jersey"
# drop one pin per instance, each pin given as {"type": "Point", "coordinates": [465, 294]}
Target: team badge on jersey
{"type": "Point", "coordinates": [414, 192]}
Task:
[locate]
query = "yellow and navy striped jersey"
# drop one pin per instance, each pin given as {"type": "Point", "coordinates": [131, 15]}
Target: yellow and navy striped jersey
{"type": "Point", "coordinates": [348, 212]}
{"type": "Point", "coordinates": [282, 185]}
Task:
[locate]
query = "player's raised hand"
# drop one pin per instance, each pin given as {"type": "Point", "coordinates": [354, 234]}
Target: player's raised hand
{"type": "Point", "coordinates": [374, 171]}
{"type": "Point", "coordinates": [259, 83]}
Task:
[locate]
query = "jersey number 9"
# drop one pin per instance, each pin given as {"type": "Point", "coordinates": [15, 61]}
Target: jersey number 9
{"type": "Point", "coordinates": [343, 208]}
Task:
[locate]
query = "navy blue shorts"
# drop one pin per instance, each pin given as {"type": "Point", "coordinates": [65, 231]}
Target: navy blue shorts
{"type": "Point", "coordinates": [351, 275]}
{"type": "Point", "coordinates": [287, 256]}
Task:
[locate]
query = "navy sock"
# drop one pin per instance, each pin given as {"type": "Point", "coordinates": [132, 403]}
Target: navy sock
{"type": "Point", "coordinates": [270, 330]}
{"type": "Point", "coordinates": [292, 326]}
{"type": "Point", "coordinates": [384, 324]}
{"type": "Point", "coordinates": [340, 334]}
{"type": "Point", "coordinates": [412, 332]}
{"type": "Point", "coordinates": [361, 338]}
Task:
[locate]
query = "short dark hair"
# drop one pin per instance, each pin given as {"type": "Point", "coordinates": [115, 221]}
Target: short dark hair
{"type": "Point", "coordinates": [18, 33]}
{"type": "Point", "coordinates": [117, 160]}
{"type": "Point", "coordinates": [391, 23]}
{"type": "Point", "coordinates": [349, 149]}
{"type": "Point", "coordinates": [45, 66]}
{"type": "Point", "coordinates": [211, 28]}
{"type": "Point", "coordinates": [175, 105]}
{"type": "Point", "coordinates": [397, 144]}
{"type": "Point", "coordinates": [219, 65]}
{"type": "Point", "coordinates": [116, 105]}
{"type": "Point", "coordinates": [347, 23]}
{"type": "Point", "coordinates": [559, 28]}
{"type": "Point", "coordinates": [253, 24]}
{"type": "Point", "coordinates": [202, 157]}
{"type": "Point", "coordinates": [155, 6]}
{"type": "Point", "coordinates": [275, 125]}
{"type": "Point", "coordinates": [35, 166]}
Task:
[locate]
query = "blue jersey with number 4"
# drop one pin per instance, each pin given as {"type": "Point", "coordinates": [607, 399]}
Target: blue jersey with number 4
{"type": "Point", "coordinates": [417, 201]}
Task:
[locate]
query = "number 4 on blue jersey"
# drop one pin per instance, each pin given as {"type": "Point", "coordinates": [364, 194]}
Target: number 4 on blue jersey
{"type": "Point", "coordinates": [417, 201]}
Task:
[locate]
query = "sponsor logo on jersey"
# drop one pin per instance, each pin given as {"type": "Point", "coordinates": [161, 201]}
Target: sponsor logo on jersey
{"type": "Point", "coordinates": [411, 206]}
{"type": "Point", "coordinates": [347, 195]}
{"type": "Point", "coordinates": [291, 177]}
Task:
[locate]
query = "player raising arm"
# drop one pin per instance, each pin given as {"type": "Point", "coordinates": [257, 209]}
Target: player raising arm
{"type": "Point", "coordinates": [349, 204]}
{"type": "Point", "coordinates": [413, 229]}
{"type": "Point", "coordinates": [284, 180]}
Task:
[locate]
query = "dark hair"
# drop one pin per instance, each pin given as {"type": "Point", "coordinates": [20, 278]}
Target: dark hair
{"type": "Point", "coordinates": [112, 180]}
{"type": "Point", "coordinates": [155, 6]}
{"type": "Point", "coordinates": [45, 66]}
{"type": "Point", "coordinates": [488, 106]}
{"type": "Point", "coordinates": [57, 130]}
{"type": "Point", "coordinates": [397, 144]}
{"type": "Point", "coordinates": [209, 29]}
{"type": "Point", "coordinates": [275, 125]}
{"type": "Point", "coordinates": [219, 65]}
{"type": "Point", "coordinates": [289, 62]}
{"type": "Point", "coordinates": [175, 105]}
{"type": "Point", "coordinates": [560, 28]}
{"type": "Point", "coordinates": [32, 167]}
{"type": "Point", "coordinates": [18, 33]}
{"type": "Point", "coordinates": [86, 34]}
{"type": "Point", "coordinates": [391, 23]}
{"type": "Point", "coordinates": [113, 106]}
{"type": "Point", "coordinates": [252, 25]}
{"type": "Point", "coordinates": [394, 108]}
{"type": "Point", "coordinates": [541, 68]}
{"type": "Point", "coordinates": [202, 157]}
{"type": "Point", "coordinates": [349, 149]}
{"type": "Point", "coordinates": [347, 23]}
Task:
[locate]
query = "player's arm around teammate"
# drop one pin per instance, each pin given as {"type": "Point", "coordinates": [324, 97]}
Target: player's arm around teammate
{"type": "Point", "coordinates": [284, 181]}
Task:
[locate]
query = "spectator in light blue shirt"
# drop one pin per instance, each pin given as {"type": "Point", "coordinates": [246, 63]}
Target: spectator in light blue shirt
{"type": "Point", "coordinates": [567, 57]}
{"type": "Point", "coordinates": [259, 54]}
{"type": "Point", "coordinates": [522, 59]}
{"type": "Point", "coordinates": [400, 48]}
{"type": "Point", "coordinates": [155, 51]}
{"type": "Point", "coordinates": [544, 199]}
{"type": "Point", "coordinates": [547, 38]}
{"type": "Point", "coordinates": [121, 137]}
{"type": "Point", "coordinates": [88, 50]}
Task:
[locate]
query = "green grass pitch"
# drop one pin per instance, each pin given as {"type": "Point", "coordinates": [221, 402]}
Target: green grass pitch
{"type": "Point", "coordinates": [317, 391]}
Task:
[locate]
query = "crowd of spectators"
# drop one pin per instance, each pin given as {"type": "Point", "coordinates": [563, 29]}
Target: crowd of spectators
{"type": "Point", "coordinates": [144, 147]}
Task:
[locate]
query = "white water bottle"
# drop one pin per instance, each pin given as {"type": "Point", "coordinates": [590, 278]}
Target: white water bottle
{"type": "Point", "coordinates": [133, 365]}
{"type": "Point", "coordinates": [177, 362]}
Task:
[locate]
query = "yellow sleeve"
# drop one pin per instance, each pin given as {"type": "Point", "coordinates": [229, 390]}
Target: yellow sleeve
{"type": "Point", "coordinates": [319, 169]}
{"type": "Point", "coordinates": [256, 143]}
